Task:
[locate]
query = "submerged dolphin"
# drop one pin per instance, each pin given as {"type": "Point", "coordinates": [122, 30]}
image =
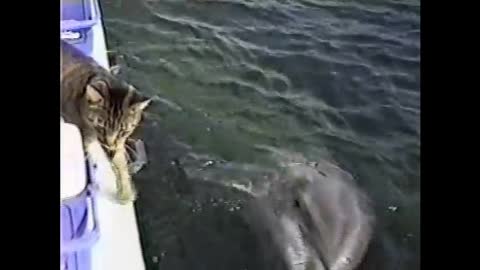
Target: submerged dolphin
{"type": "Point", "coordinates": [313, 218]}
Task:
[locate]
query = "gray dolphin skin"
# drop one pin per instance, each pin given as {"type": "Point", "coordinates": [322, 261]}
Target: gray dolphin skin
{"type": "Point", "coordinates": [312, 218]}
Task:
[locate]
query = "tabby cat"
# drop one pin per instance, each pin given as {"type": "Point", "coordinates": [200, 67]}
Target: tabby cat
{"type": "Point", "coordinates": [104, 108]}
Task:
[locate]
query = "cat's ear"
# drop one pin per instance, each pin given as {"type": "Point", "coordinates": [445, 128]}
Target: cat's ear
{"type": "Point", "coordinates": [141, 105]}
{"type": "Point", "coordinates": [93, 95]}
{"type": "Point", "coordinates": [96, 90]}
{"type": "Point", "coordinates": [100, 84]}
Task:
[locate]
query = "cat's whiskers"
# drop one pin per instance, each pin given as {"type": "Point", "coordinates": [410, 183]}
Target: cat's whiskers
{"type": "Point", "coordinates": [130, 148]}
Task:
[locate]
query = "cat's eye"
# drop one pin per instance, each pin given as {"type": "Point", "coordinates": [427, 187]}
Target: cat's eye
{"type": "Point", "coordinates": [100, 122]}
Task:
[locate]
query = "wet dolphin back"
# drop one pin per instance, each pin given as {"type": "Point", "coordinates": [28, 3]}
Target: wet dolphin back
{"type": "Point", "coordinates": [313, 219]}
{"type": "Point", "coordinates": [338, 219]}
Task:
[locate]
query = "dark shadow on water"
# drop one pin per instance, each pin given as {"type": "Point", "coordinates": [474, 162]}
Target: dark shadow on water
{"type": "Point", "coordinates": [383, 255]}
{"type": "Point", "coordinates": [189, 223]}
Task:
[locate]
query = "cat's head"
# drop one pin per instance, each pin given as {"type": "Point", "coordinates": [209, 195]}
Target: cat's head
{"type": "Point", "coordinates": [114, 109]}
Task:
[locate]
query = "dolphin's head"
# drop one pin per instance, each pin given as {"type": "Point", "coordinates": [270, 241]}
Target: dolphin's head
{"type": "Point", "coordinates": [314, 218]}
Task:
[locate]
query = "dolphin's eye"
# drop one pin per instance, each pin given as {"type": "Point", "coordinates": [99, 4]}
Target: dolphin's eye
{"type": "Point", "coordinates": [296, 203]}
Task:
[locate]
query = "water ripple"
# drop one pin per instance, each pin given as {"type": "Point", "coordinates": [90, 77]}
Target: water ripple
{"type": "Point", "coordinates": [242, 79]}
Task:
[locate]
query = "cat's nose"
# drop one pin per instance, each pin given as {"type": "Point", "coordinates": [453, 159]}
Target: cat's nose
{"type": "Point", "coordinates": [110, 152]}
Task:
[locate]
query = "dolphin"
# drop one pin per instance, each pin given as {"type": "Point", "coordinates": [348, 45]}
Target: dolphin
{"type": "Point", "coordinates": [313, 217]}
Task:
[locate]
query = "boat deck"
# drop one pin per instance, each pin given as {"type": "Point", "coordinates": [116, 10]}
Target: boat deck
{"type": "Point", "coordinates": [119, 245]}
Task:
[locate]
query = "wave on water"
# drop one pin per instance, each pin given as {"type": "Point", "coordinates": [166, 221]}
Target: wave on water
{"type": "Point", "coordinates": [251, 90]}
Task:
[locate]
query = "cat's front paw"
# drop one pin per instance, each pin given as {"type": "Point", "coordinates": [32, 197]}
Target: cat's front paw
{"type": "Point", "coordinates": [123, 197]}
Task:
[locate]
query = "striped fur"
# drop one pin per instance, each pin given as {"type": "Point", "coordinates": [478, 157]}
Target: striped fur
{"type": "Point", "coordinates": [103, 107]}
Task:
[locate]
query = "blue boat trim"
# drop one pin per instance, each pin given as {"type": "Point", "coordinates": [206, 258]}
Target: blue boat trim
{"type": "Point", "coordinates": [79, 221]}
